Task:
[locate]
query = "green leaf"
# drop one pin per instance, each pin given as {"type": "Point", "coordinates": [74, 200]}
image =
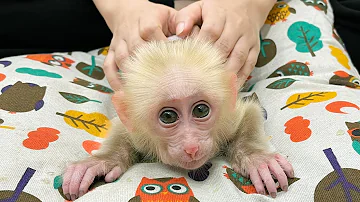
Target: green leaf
{"type": "Point", "coordinates": [77, 99]}
{"type": "Point", "coordinates": [281, 83]}
{"type": "Point", "coordinates": [306, 36]}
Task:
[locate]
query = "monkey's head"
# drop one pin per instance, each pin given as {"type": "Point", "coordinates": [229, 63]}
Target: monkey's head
{"type": "Point", "coordinates": [177, 101]}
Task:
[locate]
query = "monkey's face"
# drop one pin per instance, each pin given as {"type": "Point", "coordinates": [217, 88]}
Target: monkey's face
{"type": "Point", "coordinates": [184, 126]}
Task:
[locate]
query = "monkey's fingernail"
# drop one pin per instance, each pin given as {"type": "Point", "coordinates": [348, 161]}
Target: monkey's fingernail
{"type": "Point", "coordinates": [292, 175]}
{"type": "Point", "coordinates": [67, 196]}
{"type": "Point", "coordinates": [81, 193]}
{"type": "Point", "coordinates": [73, 197]}
{"type": "Point", "coordinates": [180, 28]}
{"type": "Point", "coordinates": [273, 194]}
{"type": "Point", "coordinates": [262, 192]}
{"type": "Point", "coordinates": [285, 188]}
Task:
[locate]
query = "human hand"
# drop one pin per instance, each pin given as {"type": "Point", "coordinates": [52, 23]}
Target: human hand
{"type": "Point", "coordinates": [132, 23]}
{"type": "Point", "coordinates": [233, 26]}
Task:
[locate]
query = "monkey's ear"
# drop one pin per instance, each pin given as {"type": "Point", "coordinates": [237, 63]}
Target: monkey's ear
{"type": "Point", "coordinates": [234, 89]}
{"type": "Point", "coordinates": [121, 109]}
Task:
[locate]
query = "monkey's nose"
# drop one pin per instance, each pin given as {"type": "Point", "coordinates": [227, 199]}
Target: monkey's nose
{"type": "Point", "coordinates": [192, 150]}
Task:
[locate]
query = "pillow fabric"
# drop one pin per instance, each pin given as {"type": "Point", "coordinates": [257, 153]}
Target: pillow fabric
{"type": "Point", "coordinates": [56, 108]}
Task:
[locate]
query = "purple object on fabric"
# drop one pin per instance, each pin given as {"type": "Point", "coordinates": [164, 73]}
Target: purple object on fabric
{"type": "Point", "coordinates": [347, 186]}
{"type": "Point", "coordinates": [20, 186]}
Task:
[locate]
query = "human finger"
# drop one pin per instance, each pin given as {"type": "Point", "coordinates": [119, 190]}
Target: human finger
{"type": "Point", "coordinates": [249, 65]}
{"type": "Point", "coordinates": [212, 27]}
{"type": "Point", "coordinates": [186, 18]}
{"type": "Point", "coordinates": [151, 29]}
{"type": "Point", "coordinates": [238, 56]}
{"type": "Point", "coordinates": [111, 69]}
{"type": "Point", "coordinates": [228, 39]}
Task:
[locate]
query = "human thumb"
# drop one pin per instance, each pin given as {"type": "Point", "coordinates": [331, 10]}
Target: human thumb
{"type": "Point", "coordinates": [187, 17]}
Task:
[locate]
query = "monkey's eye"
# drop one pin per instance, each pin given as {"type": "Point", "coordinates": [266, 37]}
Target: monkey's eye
{"type": "Point", "coordinates": [201, 111]}
{"type": "Point", "coordinates": [178, 188]}
{"type": "Point", "coordinates": [151, 188]}
{"type": "Point", "coordinates": [168, 117]}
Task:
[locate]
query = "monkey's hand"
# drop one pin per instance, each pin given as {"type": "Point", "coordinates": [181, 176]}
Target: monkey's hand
{"type": "Point", "coordinates": [261, 168]}
{"type": "Point", "coordinates": [79, 176]}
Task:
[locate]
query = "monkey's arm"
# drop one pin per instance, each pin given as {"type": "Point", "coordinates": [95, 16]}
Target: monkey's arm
{"type": "Point", "coordinates": [114, 157]}
{"type": "Point", "coordinates": [250, 153]}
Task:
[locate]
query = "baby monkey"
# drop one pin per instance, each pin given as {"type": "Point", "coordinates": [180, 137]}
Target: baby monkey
{"type": "Point", "coordinates": [179, 105]}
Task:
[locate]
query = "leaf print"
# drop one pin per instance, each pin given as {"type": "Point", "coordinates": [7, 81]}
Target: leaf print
{"type": "Point", "coordinates": [77, 99]}
{"type": "Point", "coordinates": [306, 37]}
{"type": "Point", "coordinates": [300, 100]}
{"type": "Point", "coordinates": [267, 52]}
{"type": "Point", "coordinates": [245, 185]}
{"type": "Point", "coordinates": [90, 85]}
{"type": "Point", "coordinates": [281, 83]}
{"type": "Point", "coordinates": [95, 123]}
{"type": "Point", "coordinates": [92, 70]}
{"type": "Point", "coordinates": [340, 56]}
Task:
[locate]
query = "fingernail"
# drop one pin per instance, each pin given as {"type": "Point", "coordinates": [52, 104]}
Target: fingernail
{"type": "Point", "coordinates": [81, 193]}
{"type": "Point", "coordinates": [285, 188]}
{"type": "Point", "coordinates": [73, 197]}
{"type": "Point", "coordinates": [67, 196]}
{"type": "Point", "coordinates": [262, 193]}
{"type": "Point", "coordinates": [273, 194]}
{"type": "Point", "coordinates": [180, 28]}
{"type": "Point", "coordinates": [292, 174]}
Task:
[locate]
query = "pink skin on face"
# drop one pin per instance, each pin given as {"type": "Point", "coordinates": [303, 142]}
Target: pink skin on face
{"type": "Point", "coordinates": [188, 141]}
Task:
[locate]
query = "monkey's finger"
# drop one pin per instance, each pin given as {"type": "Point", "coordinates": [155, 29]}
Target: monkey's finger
{"type": "Point", "coordinates": [267, 179]}
{"type": "Point", "coordinates": [228, 39]}
{"type": "Point", "coordinates": [67, 179]}
{"type": "Point", "coordinates": [76, 179]}
{"type": "Point", "coordinates": [89, 177]}
{"type": "Point", "coordinates": [113, 174]}
{"type": "Point", "coordinates": [111, 70]}
{"type": "Point", "coordinates": [151, 30]}
{"type": "Point", "coordinates": [279, 173]}
{"type": "Point", "coordinates": [186, 18]}
{"type": "Point", "coordinates": [249, 65]}
{"type": "Point", "coordinates": [256, 180]}
{"type": "Point", "coordinates": [238, 56]}
{"type": "Point", "coordinates": [285, 165]}
{"type": "Point", "coordinates": [212, 27]}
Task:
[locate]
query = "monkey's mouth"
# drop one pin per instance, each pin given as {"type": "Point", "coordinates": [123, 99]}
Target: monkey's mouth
{"type": "Point", "coordinates": [194, 164]}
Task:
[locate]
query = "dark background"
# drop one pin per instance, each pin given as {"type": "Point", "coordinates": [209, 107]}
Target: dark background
{"type": "Point", "coordinates": [38, 26]}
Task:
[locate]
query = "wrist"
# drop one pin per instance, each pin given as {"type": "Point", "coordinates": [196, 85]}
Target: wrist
{"type": "Point", "coordinates": [112, 9]}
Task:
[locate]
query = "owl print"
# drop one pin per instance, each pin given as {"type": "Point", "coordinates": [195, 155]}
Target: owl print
{"type": "Point", "coordinates": [164, 190]}
{"type": "Point", "coordinates": [292, 68]}
{"type": "Point", "coordinates": [344, 79]}
{"type": "Point", "coordinates": [53, 60]}
{"type": "Point", "coordinates": [320, 5]}
{"type": "Point", "coordinates": [280, 12]}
